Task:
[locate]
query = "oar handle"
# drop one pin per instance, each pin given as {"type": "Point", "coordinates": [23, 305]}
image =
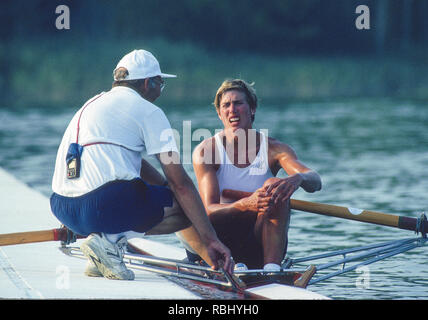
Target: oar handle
{"type": "Point", "coordinates": [235, 194]}
{"type": "Point", "coordinates": [59, 234]}
{"type": "Point", "coordinates": [379, 218]}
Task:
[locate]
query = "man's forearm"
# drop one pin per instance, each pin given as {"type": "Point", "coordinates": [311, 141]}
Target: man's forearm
{"type": "Point", "coordinates": [229, 209]}
{"type": "Point", "coordinates": [189, 200]}
{"type": "Point", "coordinates": [311, 181]}
{"type": "Point", "coordinates": [150, 175]}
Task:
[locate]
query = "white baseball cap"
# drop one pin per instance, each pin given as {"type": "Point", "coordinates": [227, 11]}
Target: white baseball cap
{"type": "Point", "coordinates": [141, 64]}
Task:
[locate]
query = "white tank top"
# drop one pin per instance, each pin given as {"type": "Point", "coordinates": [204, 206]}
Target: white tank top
{"type": "Point", "coordinates": [244, 179]}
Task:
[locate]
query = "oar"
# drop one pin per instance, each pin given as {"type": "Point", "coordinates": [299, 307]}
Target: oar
{"type": "Point", "coordinates": [379, 218]}
{"type": "Point", "coordinates": [59, 234]}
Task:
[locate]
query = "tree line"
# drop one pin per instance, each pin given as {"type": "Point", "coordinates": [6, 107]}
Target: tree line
{"type": "Point", "coordinates": [260, 26]}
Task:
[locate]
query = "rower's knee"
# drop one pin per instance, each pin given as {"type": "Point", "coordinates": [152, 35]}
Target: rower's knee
{"type": "Point", "coordinates": [280, 211]}
{"type": "Point", "coordinates": [270, 181]}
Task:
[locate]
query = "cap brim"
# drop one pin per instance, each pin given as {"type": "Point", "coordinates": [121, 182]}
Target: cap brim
{"type": "Point", "coordinates": [166, 75]}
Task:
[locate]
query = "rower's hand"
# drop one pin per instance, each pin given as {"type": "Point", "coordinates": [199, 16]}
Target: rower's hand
{"type": "Point", "coordinates": [282, 190]}
{"type": "Point", "coordinates": [221, 256]}
{"type": "Point", "coordinates": [257, 202]}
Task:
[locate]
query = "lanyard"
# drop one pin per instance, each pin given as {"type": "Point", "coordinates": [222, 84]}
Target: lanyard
{"type": "Point", "coordinates": [75, 150]}
{"type": "Point", "coordinates": [80, 116]}
{"type": "Point", "coordinates": [78, 126]}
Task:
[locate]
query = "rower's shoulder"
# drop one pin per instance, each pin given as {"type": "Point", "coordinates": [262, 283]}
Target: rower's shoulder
{"type": "Point", "coordinates": [278, 145]}
{"type": "Point", "coordinates": [204, 152]}
{"type": "Point", "coordinates": [204, 144]}
{"type": "Point", "coordinates": [278, 149]}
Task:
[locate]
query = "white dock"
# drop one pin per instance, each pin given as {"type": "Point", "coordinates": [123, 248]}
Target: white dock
{"type": "Point", "coordinates": [41, 271]}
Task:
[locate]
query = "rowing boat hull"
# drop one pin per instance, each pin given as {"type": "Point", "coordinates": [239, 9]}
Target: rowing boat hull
{"type": "Point", "coordinates": [275, 291]}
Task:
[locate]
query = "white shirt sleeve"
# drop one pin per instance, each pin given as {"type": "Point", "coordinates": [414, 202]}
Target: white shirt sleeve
{"type": "Point", "coordinates": [158, 134]}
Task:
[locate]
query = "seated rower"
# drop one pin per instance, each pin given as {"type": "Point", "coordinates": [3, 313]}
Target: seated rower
{"type": "Point", "coordinates": [254, 227]}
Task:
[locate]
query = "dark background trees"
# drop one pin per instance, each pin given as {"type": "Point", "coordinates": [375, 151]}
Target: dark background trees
{"type": "Point", "coordinates": [297, 49]}
{"type": "Point", "coordinates": [273, 26]}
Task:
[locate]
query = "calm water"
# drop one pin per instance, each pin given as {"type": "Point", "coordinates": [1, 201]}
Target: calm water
{"type": "Point", "coordinates": [371, 154]}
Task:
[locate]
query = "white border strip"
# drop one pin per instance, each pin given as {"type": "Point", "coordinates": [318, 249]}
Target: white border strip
{"type": "Point", "coordinates": [19, 282]}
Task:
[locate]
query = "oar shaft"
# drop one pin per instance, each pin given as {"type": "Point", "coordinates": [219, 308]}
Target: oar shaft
{"type": "Point", "coordinates": [379, 218]}
{"type": "Point", "coordinates": [368, 216]}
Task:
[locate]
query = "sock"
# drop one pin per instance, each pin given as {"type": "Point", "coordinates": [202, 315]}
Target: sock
{"type": "Point", "coordinates": [113, 237]}
{"type": "Point", "coordinates": [272, 267]}
{"type": "Point", "coordinates": [133, 234]}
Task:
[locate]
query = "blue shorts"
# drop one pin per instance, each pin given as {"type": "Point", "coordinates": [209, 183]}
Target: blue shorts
{"type": "Point", "coordinates": [115, 207]}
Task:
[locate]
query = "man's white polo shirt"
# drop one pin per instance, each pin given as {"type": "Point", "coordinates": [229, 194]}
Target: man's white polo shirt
{"type": "Point", "coordinates": [122, 125]}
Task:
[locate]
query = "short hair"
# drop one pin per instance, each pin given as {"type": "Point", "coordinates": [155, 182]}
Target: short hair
{"type": "Point", "coordinates": [119, 76]}
{"type": "Point", "coordinates": [239, 85]}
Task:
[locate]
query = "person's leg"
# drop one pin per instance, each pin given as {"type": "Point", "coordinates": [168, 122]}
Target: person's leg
{"type": "Point", "coordinates": [191, 240]}
{"type": "Point", "coordinates": [104, 252]}
{"type": "Point", "coordinates": [274, 233]}
{"type": "Point", "coordinates": [272, 229]}
{"type": "Point", "coordinates": [237, 233]}
{"type": "Point", "coordinates": [111, 212]}
{"type": "Point", "coordinates": [173, 220]}
{"type": "Point", "coordinates": [106, 257]}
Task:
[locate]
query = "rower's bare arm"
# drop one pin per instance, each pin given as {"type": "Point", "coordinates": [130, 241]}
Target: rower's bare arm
{"type": "Point", "coordinates": [287, 159]}
{"type": "Point", "coordinates": [150, 175]}
{"type": "Point", "coordinates": [187, 195]}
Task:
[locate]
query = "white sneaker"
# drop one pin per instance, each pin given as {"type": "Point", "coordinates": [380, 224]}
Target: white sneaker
{"type": "Point", "coordinates": [91, 269]}
{"type": "Point", "coordinates": [107, 257]}
{"type": "Point", "coordinates": [240, 267]}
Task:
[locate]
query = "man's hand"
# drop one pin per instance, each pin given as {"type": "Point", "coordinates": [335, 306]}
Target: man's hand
{"type": "Point", "coordinates": [220, 255]}
{"type": "Point", "coordinates": [258, 201]}
{"type": "Point", "coordinates": [282, 190]}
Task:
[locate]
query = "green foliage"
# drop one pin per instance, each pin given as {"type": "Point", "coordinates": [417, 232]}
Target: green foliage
{"type": "Point", "coordinates": [66, 74]}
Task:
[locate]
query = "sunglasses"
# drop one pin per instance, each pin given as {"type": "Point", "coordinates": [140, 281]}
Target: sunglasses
{"type": "Point", "coordinates": [161, 83]}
